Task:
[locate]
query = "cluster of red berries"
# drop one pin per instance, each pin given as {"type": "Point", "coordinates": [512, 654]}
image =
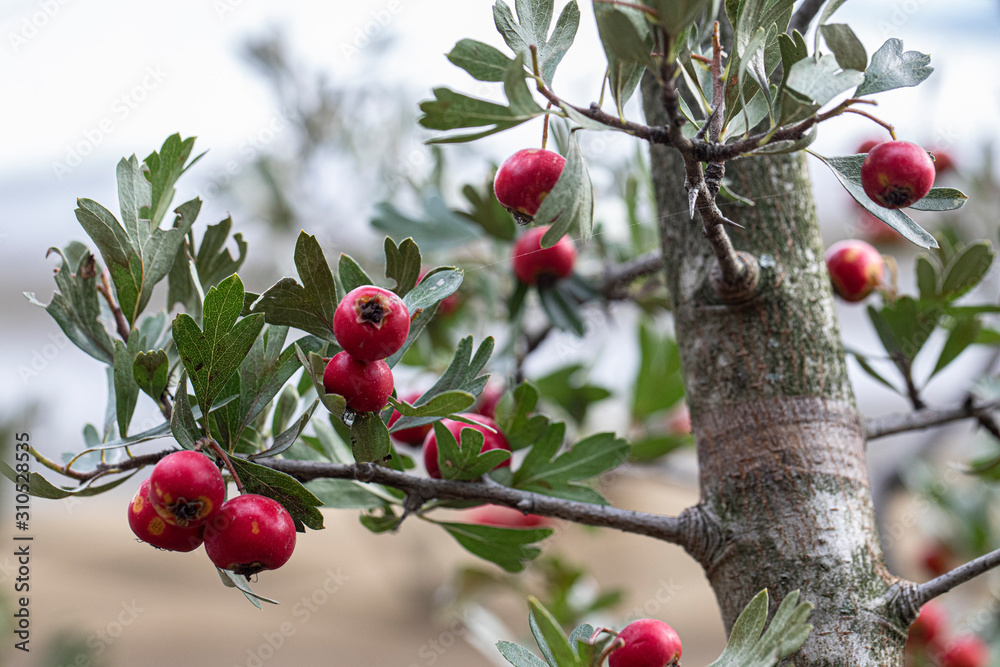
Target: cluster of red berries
{"type": "Point", "coordinates": [182, 506]}
{"type": "Point", "coordinates": [521, 184]}
{"type": "Point", "coordinates": [929, 642]}
{"type": "Point", "coordinates": [370, 324]}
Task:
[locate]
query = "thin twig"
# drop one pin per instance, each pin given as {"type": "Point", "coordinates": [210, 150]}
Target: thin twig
{"type": "Point", "coordinates": [804, 15]}
{"type": "Point", "coordinates": [872, 117]}
{"type": "Point", "coordinates": [622, 275]}
{"type": "Point", "coordinates": [105, 289]}
{"type": "Point", "coordinates": [880, 427]}
{"type": "Point", "coordinates": [940, 585]}
{"type": "Point", "coordinates": [221, 453]}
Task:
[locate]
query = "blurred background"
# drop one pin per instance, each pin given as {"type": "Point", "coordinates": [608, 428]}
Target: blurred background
{"type": "Point", "coordinates": [308, 114]}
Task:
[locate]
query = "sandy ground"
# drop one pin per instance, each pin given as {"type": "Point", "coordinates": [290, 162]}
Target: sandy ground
{"type": "Point", "coordinates": [348, 597]}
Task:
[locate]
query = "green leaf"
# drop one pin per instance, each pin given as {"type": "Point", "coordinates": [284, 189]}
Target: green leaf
{"type": "Point", "coordinates": [182, 422]}
{"type": "Point", "coordinates": [624, 32]}
{"type": "Point", "coordinates": [507, 547]}
{"type": "Point", "coordinates": [541, 453]}
{"type": "Point", "coordinates": [676, 16]}
{"type": "Point", "coordinates": [788, 631]}
{"type": "Point", "coordinates": [351, 274]}
{"type": "Point", "coordinates": [659, 384]}
{"type": "Point", "coordinates": [941, 199]}
{"type": "Point", "coordinates": [487, 212]}
{"type": "Point", "coordinates": [549, 636]}
{"type": "Point", "coordinates": [481, 61]}
{"type": "Point", "coordinates": [846, 46]}
{"type": "Point", "coordinates": [847, 169]}
{"type": "Point", "coordinates": [314, 365]}
{"type": "Point", "coordinates": [297, 499]}
{"type": "Point", "coordinates": [821, 80]}
{"type": "Point", "coordinates": [450, 110]}
{"type": "Point", "coordinates": [570, 203]}
{"type": "Point", "coordinates": [211, 355]}
{"type": "Point", "coordinates": [165, 167]}
{"type": "Point", "coordinates": [465, 462]}
{"type": "Point", "coordinates": [535, 16]}
{"type": "Point", "coordinates": [287, 438]}
{"type": "Point", "coordinates": [369, 438]}
{"type": "Point", "coordinates": [439, 228]}
{"type": "Point", "coordinates": [560, 311]}
{"type": "Point", "coordinates": [904, 326]}
{"type": "Point", "coordinates": [655, 446]}
{"type": "Point", "coordinates": [964, 333]}
{"type": "Point", "coordinates": [568, 387]}
{"type": "Point", "coordinates": [793, 48]}
{"type": "Point", "coordinates": [514, 417]}
{"type": "Point", "coordinates": [440, 405]}
{"type": "Point", "coordinates": [151, 371]}
{"type": "Point", "coordinates": [867, 367]}
{"type": "Point", "coordinates": [232, 580]}
{"type": "Point", "coordinates": [40, 487]}
{"type": "Point", "coordinates": [75, 306]}
{"type": "Point", "coordinates": [891, 68]}
{"type": "Point", "coordinates": [966, 269]}
{"type": "Point", "coordinates": [126, 387]}
{"type": "Point", "coordinates": [402, 264]}
{"type": "Point", "coordinates": [928, 277]}
{"type": "Point", "coordinates": [309, 306]}
{"type": "Point", "coordinates": [588, 458]}
{"type": "Point", "coordinates": [519, 656]}
{"type": "Point", "coordinates": [422, 302]}
{"type": "Point", "coordinates": [194, 273]}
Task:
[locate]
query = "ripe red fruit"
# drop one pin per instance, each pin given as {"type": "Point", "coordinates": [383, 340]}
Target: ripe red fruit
{"type": "Point", "coordinates": [150, 527]}
{"type": "Point", "coordinates": [365, 386]}
{"type": "Point", "coordinates": [491, 440]}
{"type": "Point", "coordinates": [895, 174]}
{"type": "Point", "coordinates": [525, 178]}
{"type": "Point", "coordinates": [966, 651]}
{"type": "Point", "coordinates": [534, 264]}
{"type": "Point", "coordinates": [855, 267]}
{"type": "Point", "coordinates": [867, 146]}
{"type": "Point", "coordinates": [648, 643]}
{"type": "Point", "coordinates": [929, 626]}
{"type": "Point", "coordinates": [487, 403]}
{"type": "Point", "coordinates": [943, 162]}
{"type": "Point", "coordinates": [251, 533]}
{"type": "Point", "coordinates": [415, 434]}
{"type": "Point", "coordinates": [505, 517]}
{"type": "Point", "coordinates": [874, 230]}
{"type": "Point", "coordinates": [937, 558]}
{"type": "Point", "coordinates": [186, 489]}
{"type": "Point", "coordinates": [371, 323]}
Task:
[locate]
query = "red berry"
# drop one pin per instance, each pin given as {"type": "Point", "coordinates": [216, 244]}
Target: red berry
{"type": "Point", "coordinates": [415, 434]}
{"type": "Point", "coordinates": [937, 558]}
{"type": "Point", "coordinates": [505, 517]}
{"type": "Point", "coordinates": [679, 420]}
{"type": "Point", "coordinates": [251, 533]}
{"type": "Point", "coordinates": [867, 146]}
{"type": "Point", "coordinates": [648, 643]}
{"type": "Point", "coordinates": [491, 440]}
{"type": "Point", "coordinates": [371, 323]}
{"type": "Point", "coordinates": [966, 651]}
{"type": "Point", "coordinates": [895, 174]}
{"type": "Point", "coordinates": [186, 489]}
{"type": "Point", "coordinates": [874, 230]}
{"type": "Point", "coordinates": [150, 527]}
{"type": "Point", "coordinates": [487, 403]}
{"type": "Point", "coordinates": [534, 264]}
{"type": "Point", "coordinates": [943, 162]}
{"type": "Point", "coordinates": [365, 386]}
{"type": "Point", "coordinates": [855, 267]}
{"type": "Point", "coordinates": [525, 178]}
{"type": "Point", "coordinates": [929, 626]}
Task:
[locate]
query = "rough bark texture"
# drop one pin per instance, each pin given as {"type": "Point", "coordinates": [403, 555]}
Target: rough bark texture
{"type": "Point", "coordinates": [780, 443]}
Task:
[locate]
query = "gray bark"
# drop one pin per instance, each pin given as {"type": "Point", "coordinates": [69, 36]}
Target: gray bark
{"type": "Point", "coordinates": [781, 447]}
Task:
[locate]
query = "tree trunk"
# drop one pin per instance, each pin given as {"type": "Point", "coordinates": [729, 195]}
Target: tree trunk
{"type": "Point", "coordinates": [781, 448]}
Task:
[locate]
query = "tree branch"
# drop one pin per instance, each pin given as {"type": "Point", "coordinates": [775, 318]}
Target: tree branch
{"type": "Point", "coordinates": [804, 15]}
{"type": "Point", "coordinates": [620, 276]}
{"type": "Point", "coordinates": [924, 593]}
{"type": "Point", "coordinates": [902, 422]}
{"type": "Point", "coordinates": [120, 322]}
{"type": "Point", "coordinates": [677, 530]}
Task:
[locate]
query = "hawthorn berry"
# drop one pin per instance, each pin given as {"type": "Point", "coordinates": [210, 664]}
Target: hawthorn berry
{"type": "Point", "coordinates": [868, 145]}
{"type": "Point", "coordinates": [250, 533]}
{"type": "Point", "coordinates": [505, 517]}
{"type": "Point", "coordinates": [491, 440]}
{"type": "Point", "coordinates": [371, 323]}
{"type": "Point", "coordinates": [365, 386]}
{"type": "Point", "coordinates": [536, 265]}
{"type": "Point", "coordinates": [937, 558]}
{"type": "Point", "coordinates": [943, 161]}
{"type": "Point", "coordinates": [966, 651]}
{"type": "Point", "coordinates": [415, 434]}
{"type": "Point", "coordinates": [855, 267]}
{"type": "Point", "coordinates": [186, 488]}
{"type": "Point", "coordinates": [648, 642]}
{"type": "Point", "coordinates": [525, 178]}
{"type": "Point", "coordinates": [895, 174]}
{"type": "Point", "coordinates": [929, 627]}
{"type": "Point", "coordinates": [150, 527]}
{"type": "Point", "coordinates": [488, 400]}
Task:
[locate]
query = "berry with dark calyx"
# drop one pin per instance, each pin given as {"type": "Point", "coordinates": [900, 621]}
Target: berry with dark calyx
{"type": "Point", "coordinates": [250, 533]}
{"type": "Point", "coordinates": [186, 489]}
{"type": "Point", "coordinates": [929, 626]}
{"type": "Point", "coordinates": [525, 178]}
{"type": "Point", "coordinates": [647, 642]}
{"type": "Point", "coordinates": [505, 517]}
{"type": "Point", "coordinates": [491, 440]}
{"type": "Point", "coordinates": [895, 174]}
{"type": "Point", "coordinates": [966, 651]}
{"type": "Point", "coordinates": [414, 435]}
{"type": "Point", "coordinates": [366, 386]}
{"type": "Point", "coordinates": [535, 265]}
{"type": "Point", "coordinates": [856, 268]}
{"type": "Point", "coordinates": [371, 323]}
{"type": "Point", "coordinates": [150, 527]}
